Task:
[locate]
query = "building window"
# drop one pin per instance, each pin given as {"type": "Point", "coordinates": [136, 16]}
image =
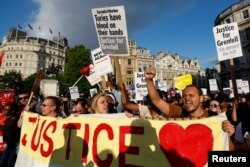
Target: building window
{"type": "Point", "coordinates": [129, 71]}
{"type": "Point", "coordinates": [129, 61]}
{"type": "Point", "coordinates": [228, 20]}
{"type": "Point", "coordinates": [20, 64]}
{"type": "Point", "coordinates": [17, 56]}
{"type": "Point", "coordinates": [245, 14]}
{"type": "Point", "coordinates": [15, 64]}
{"type": "Point", "coordinates": [129, 81]}
{"type": "Point", "coordinates": [247, 31]}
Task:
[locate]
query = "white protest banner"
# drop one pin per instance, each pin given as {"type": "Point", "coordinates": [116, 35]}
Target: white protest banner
{"type": "Point", "coordinates": [204, 91]}
{"type": "Point", "coordinates": [111, 28]}
{"type": "Point", "coordinates": [245, 86]}
{"type": "Point", "coordinates": [227, 91]}
{"type": "Point", "coordinates": [162, 85]}
{"type": "Point", "coordinates": [231, 89]}
{"type": "Point", "coordinates": [102, 62]}
{"type": "Point", "coordinates": [140, 86]}
{"type": "Point", "coordinates": [213, 85]}
{"type": "Point", "coordinates": [227, 40]}
{"type": "Point", "coordinates": [113, 140]}
{"type": "Point", "coordinates": [74, 93]}
{"type": "Point", "coordinates": [93, 76]}
{"type": "Point", "coordinates": [238, 85]}
{"type": "Point", "coordinates": [93, 92]}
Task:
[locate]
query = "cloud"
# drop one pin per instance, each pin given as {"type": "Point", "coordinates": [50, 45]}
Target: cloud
{"type": "Point", "coordinates": [212, 60]}
{"type": "Point", "coordinates": [73, 18]}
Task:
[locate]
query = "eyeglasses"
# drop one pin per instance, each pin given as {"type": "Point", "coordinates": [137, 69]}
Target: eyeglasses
{"type": "Point", "coordinates": [45, 105]}
{"type": "Point", "coordinates": [22, 98]}
{"type": "Point", "coordinates": [214, 105]}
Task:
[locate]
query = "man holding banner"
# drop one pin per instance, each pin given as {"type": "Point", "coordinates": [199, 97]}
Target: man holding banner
{"type": "Point", "coordinates": [192, 103]}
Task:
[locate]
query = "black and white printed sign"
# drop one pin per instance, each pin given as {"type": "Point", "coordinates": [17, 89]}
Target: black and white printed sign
{"type": "Point", "coordinates": [227, 41]}
{"type": "Point", "coordinates": [111, 28]}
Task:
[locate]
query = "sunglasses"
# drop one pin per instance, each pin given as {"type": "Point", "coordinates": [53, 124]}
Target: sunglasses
{"type": "Point", "coordinates": [45, 105]}
{"type": "Point", "coordinates": [22, 98]}
{"type": "Point", "coordinates": [214, 105]}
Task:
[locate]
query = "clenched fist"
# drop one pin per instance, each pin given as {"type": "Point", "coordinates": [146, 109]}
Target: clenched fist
{"type": "Point", "coordinates": [150, 73]}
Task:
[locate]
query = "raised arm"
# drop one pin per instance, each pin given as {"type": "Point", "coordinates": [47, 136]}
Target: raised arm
{"type": "Point", "coordinates": [162, 105]}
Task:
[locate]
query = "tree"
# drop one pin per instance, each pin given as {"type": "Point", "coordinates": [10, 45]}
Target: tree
{"type": "Point", "coordinates": [28, 83]}
{"type": "Point", "coordinates": [76, 58]}
{"type": "Point", "coordinates": [12, 80]}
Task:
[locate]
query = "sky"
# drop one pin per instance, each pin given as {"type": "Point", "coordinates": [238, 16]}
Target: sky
{"type": "Point", "coordinates": [175, 26]}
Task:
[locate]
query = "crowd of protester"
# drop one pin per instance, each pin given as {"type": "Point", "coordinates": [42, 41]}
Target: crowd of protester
{"type": "Point", "coordinates": [157, 104]}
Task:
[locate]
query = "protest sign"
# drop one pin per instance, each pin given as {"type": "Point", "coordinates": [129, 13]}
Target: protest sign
{"type": "Point", "coordinates": [6, 96]}
{"type": "Point", "coordinates": [111, 28]}
{"type": "Point", "coordinates": [204, 91]}
{"type": "Point", "coordinates": [74, 93]}
{"type": "Point", "coordinates": [238, 85]}
{"type": "Point", "coordinates": [182, 81]}
{"type": "Point", "coordinates": [111, 141]}
{"type": "Point", "coordinates": [93, 76]}
{"type": "Point", "coordinates": [93, 91]}
{"type": "Point", "coordinates": [141, 90]}
{"type": "Point", "coordinates": [213, 85]}
{"type": "Point", "coordinates": [227, 40]}
{"type": "Point", "coordinates": [162, 85]}
{"type": "Point", "coordinates": [245, 86]}
{"type": "Point", "coordinates": [102, 62]}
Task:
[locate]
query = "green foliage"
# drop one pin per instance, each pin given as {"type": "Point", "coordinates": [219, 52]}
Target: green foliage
{"type": "Point", "coordinates": [77, 58]}
{"type": "Point", "coordinates": [12, 80]}
{"type": "Point", "coordinates": [28, 82]}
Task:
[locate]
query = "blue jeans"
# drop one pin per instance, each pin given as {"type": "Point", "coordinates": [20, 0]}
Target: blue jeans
{"type": "Point", "coordinates": [8, 158]}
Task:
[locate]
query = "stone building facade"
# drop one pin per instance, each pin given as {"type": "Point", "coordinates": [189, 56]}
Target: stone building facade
{"type": "Point", "coordinates": [238, 12]}
{"type": "Point", "coordinates": [27, 55]}
{"type": "Point", "coordinates": [167, 66]}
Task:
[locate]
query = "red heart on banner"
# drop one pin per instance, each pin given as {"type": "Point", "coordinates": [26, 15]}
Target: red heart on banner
{"type": "Point", "coordinates": [186, 147]}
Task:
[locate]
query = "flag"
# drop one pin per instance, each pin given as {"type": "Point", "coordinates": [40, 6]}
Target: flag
{"type": "Point", "coordinates": [19, 26]}
{"type": "Point", "coordinates": [59, 35]}
{"type": "Point", "coordinates": [30, 26]}
{"type": "Point", "coordinates": [85, 70]}
{"type": "Point", "coordinates": [50, 30]}
{"type": "Point", "coordinates": [39, 28]}
{"type": "Point", "coordinates": [1, 56]}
